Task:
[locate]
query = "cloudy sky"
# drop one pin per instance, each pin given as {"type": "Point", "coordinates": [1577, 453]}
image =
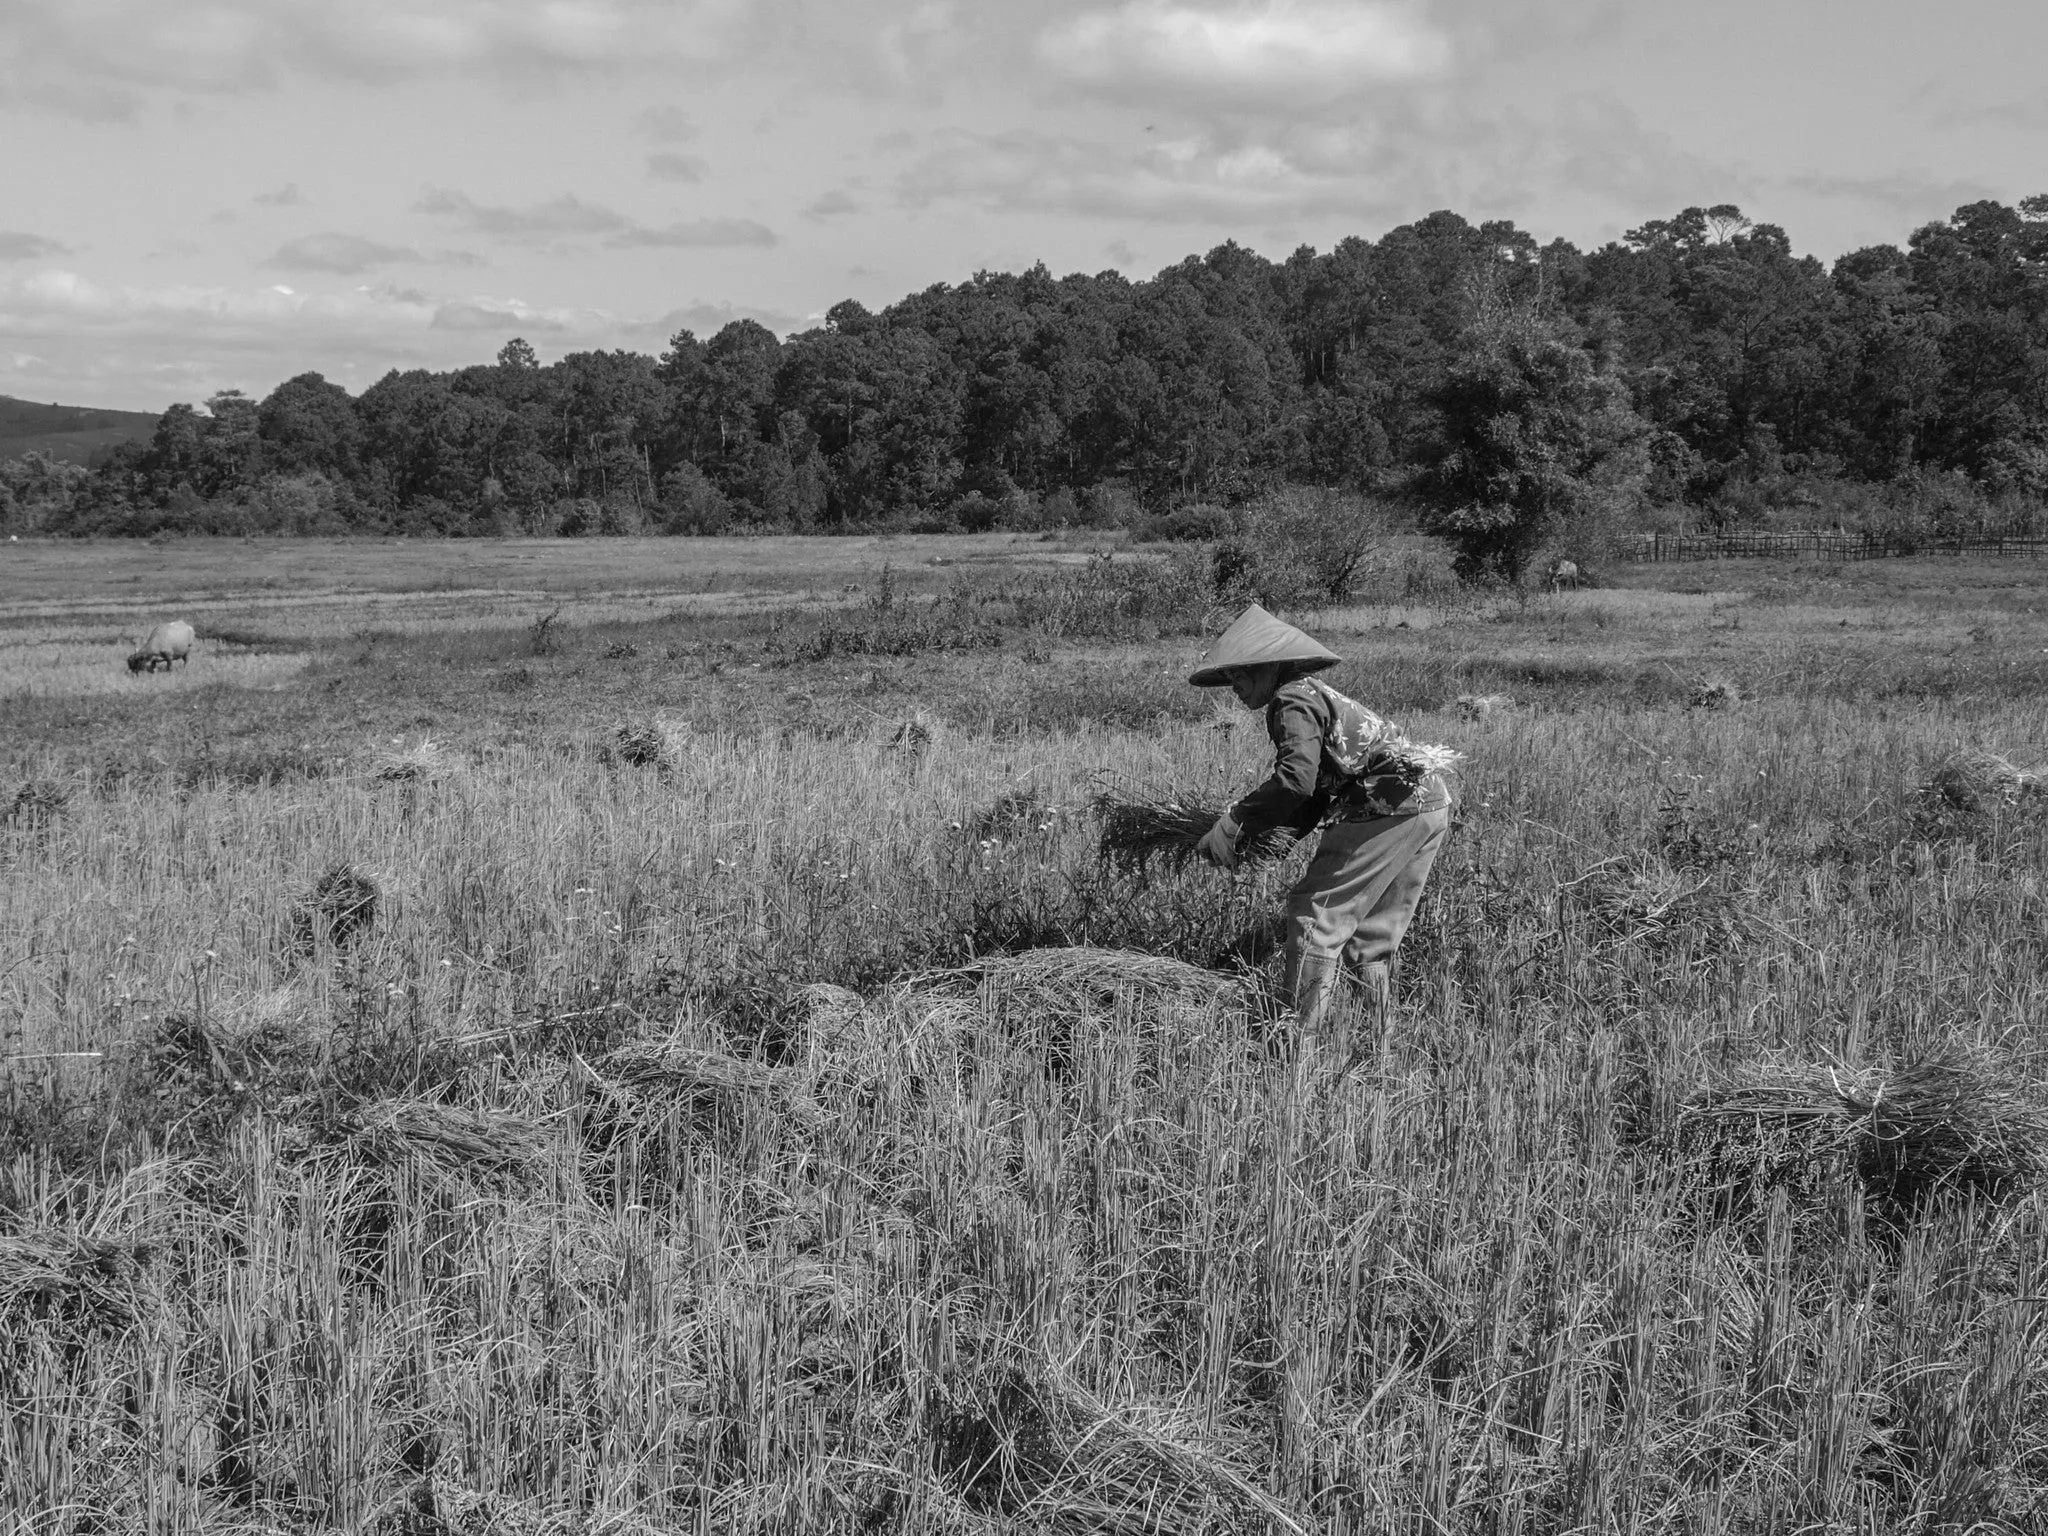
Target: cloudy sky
{"type": "Point", "coordinates": [198, 194]}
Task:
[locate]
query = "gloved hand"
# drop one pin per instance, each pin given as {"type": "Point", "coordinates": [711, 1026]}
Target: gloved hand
{"type": "Point", "coordinates": [1219, 843]}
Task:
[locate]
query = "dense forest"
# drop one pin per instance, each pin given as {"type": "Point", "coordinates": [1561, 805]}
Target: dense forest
{"type": "Point", "coordinates": [1696, 369]}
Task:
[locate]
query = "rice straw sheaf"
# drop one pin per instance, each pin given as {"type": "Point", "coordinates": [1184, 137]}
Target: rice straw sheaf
{"type": "Point", "coordinates": [447, 1138]}
{"type": "Point", "coordinates": [669, 1070]}
{"type": "Point", "coordinates": [421, 764]}
{"type": "Point", "coordinates": [1973, 781]}
{"type": "Point", "coordinates": [1050, 1456]}
{"type": "Point", "coordinates": [1955, 1120]}
{"type": "Point", "coordinates": [1639, 899]}
{"type": "Point", "coordinates": [84, 1283]}
{"type": "Point", "coordinates": [652, 741]}
{"type": "Point", "coordinates": [1140, 825]}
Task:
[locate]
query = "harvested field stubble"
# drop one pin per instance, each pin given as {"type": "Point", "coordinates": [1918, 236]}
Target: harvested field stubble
{"type": "Point", "coordinates": [721, 1148]}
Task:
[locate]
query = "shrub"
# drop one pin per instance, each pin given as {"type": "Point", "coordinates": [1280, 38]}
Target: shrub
{"type": "Point", "coordinates": [1300, 548]}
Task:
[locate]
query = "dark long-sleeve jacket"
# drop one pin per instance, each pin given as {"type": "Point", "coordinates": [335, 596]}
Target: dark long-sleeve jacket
{"type": "Point", "coordinates": [1329, 764]}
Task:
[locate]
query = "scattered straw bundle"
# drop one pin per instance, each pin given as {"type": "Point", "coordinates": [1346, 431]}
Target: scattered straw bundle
{"type": "Point", "coordinates": [1140, 825]}
{"type": "Point", "coordinates": [668, 1070]}
{"type": "Point", "coordinates": [1956, 1120]}
{"type": "Point", "coordinates": [915, 734]}
{"type": "Point", "coordinates": [86, 1284]}
{"type": "Point", "coordinates": [342, 905]}
{"type": "Point", "coordinates": [36, 805]}
{"type": "Point", "coordinates": [1483, 706]}
{"type": "Point", "coordinates": [1714, 693]}
{"type": "Point", "coordinates": [1051, 1457]}
{"type": "Point", "coordinates": [652, 741]}
{"type": "Point", "coordinates": [447, 1138]}
{"type": "Point", "coordinates": [1639, 899]}
{"type": "Point", "coordinates": [421, 764]}
{"type": "Point", "coordinates": [1973, 782]}
{"type": "Point", "coordinates": [1053, 976]}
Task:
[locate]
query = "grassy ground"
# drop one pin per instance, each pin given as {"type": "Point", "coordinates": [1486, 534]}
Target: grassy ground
{"type": "Point", "coordinates": [427, 1108]}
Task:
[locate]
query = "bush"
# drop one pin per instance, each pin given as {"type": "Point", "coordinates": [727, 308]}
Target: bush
{"type": "Point", "coordinates": [1300, 548]}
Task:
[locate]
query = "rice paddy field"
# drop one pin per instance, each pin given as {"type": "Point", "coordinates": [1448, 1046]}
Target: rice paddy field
{"type": "Point", "coordinates": [642, 1037]}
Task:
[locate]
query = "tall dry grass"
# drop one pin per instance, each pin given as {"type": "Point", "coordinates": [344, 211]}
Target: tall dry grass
{"type": "Point", "coordinates": [670, 1153]}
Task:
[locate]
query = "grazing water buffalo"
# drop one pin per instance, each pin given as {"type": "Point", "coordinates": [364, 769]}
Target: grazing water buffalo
{"type": "Point", "coordinates": [1564, 573]}
{"type": "Point", "coordinates": [166, 643]}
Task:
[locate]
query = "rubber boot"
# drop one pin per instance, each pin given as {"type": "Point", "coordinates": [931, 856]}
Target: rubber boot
{"type": "Point", "coordinates": [1311, 983]}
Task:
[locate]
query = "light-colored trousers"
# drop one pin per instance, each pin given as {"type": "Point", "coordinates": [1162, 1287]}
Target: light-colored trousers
{"type": "Point", "coordinates": [1354, 904]}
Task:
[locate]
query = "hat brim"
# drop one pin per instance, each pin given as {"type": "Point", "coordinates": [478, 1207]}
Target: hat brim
{"type": "Point", "coordinates": [1219, 676]}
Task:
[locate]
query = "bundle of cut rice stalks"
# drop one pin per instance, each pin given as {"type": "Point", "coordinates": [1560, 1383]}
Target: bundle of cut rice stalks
{"type": "Point", "coordinates": [423, 763]}
{"type": "Point", "coordinates": [1050, 1456]}
{"type": "Point", "coordinates": [651, 741]}
{"type": "Point", "coordinates": [444, 1137]}
{"type": "Point", "coordinates": [83, 1284]}
{"type": "Point", "coordinates": [669, 1071]}
{"type": "Point", "coordinates": [1973, 782]}
{"type": "Point", "coordinates": [1140, 825]}
{"type": "Point", "coordinates": [1638, 899]}
{"type": "Point", "coordinates": [1955, 1120]}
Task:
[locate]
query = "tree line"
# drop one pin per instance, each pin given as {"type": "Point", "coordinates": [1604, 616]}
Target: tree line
{"type": "Point", "coordinates": [1502, 385]}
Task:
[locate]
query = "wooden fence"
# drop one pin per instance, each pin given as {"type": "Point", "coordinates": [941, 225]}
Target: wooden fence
{"type": "Point", "coordinates": [1823, 546]}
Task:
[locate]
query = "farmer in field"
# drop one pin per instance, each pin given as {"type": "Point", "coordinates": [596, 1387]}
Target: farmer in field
{"type": "Point", "coordinates": [1382, 802]}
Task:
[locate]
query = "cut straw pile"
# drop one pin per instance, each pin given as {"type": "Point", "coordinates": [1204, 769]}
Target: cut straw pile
{"type": "Point", "coordinates": [668, 1071]}
{"type": "Point", "coordinates": [1638, 899]}
{"type": "Point", "coordinates": [421, 764]}
{"type": "Point", "coordinates": [1956, 1120]}
{"type": "Point", "coordinates": [444, 1137]}
{"type": "Point", "coordinates": [1050, 1457]}
{"type": "Point", "coordinates": [82, 1283]}
{"type": "Point", "coordinates": [1059, 979]}
{"type": "Point", "coordinates": [1974, 782]}
{"type": "Point", "coordinates": [652, 741]}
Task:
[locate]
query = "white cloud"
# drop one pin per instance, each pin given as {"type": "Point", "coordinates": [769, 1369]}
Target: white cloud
{"type": "Point", "coordinates": [144, 346]}
{"type": "Point", "coordinates": [558, 216]}
{"type": "Point", "coordinates": [569, 215]}
{"type": "Point", "coordinates": [1279, 53]}
{"type": "Point", "coordinates": [96, 58]}
{"type": "Point", "coordinates": [693, 234]}
{"type": "Point", "coordinates": [286, 196]}
{"type": "Point", "coordinates": [19, 245]}
{"type": "Point", "coordinates": [332, 251]}
{"type": "Point", "coordinates": [832, 205]}
{"type": "Point", "coordinates": [670, 166]}
{"type": "Point", "coordinates": [665, 124]}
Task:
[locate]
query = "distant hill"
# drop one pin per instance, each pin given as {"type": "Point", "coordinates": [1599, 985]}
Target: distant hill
{"type": "Point", "coordinates": [73, 432]}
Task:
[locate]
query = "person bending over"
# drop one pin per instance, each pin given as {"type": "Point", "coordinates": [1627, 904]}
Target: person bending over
{"type": "Point", "coordinates": [1384, 806]}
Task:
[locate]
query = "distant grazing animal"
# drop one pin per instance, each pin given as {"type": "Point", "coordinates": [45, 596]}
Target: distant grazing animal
{"type": "Point", "coordinates": [1564, 573]}
{"type": "Point", "coordinates": [166, 643]}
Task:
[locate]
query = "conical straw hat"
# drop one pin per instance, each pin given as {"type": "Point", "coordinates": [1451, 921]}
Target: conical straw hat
{"type": "Point", "coordinates": [1255, 638]}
